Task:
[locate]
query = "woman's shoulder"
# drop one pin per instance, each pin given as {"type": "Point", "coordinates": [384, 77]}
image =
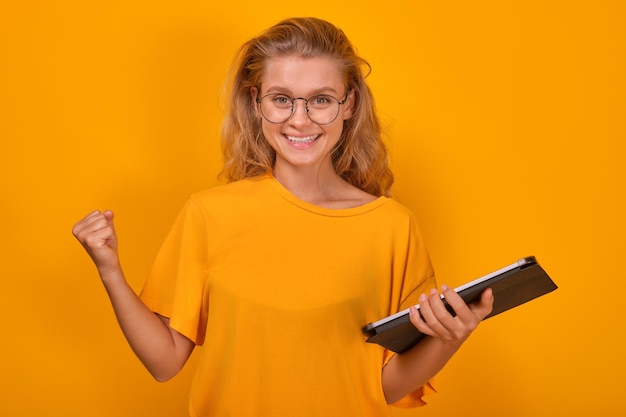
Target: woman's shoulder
{"type": "Point", "coordinates": [394, 205]}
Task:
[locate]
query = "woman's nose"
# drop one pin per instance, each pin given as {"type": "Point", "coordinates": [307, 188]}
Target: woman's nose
{"type": "Point", "coordinates": [300, 113]}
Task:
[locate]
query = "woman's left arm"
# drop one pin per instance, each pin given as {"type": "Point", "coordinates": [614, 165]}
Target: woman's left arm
{"type": "Point", "coordinates": [408, 371]}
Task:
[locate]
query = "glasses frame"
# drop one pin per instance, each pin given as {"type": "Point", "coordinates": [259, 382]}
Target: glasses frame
{"type": "Point", "coordinates": [306, 106]}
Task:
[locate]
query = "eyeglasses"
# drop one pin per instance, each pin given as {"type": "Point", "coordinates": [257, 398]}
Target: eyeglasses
{"type": "Point", "coordinates": [322, 109]}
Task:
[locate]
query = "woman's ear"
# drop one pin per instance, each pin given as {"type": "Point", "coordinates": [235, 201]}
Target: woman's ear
{"type": "Point", "coordinates": [349, 105]}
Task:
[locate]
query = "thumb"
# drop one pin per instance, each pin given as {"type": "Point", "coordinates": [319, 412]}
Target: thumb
{"type": "Point", "coordinates": [108, 215]}
{"type": "Point", "coordinates": [487, 296]}
{"type": "Point", "coordinates": [485, 306]}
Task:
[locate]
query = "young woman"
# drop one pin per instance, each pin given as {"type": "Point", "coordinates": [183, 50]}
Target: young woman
{"type": "Point", "coordinates": [276, 272]}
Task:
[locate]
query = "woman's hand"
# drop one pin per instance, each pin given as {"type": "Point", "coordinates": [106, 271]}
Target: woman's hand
{"type": "Point", "coordinates": [160, 348]}
{"type": "Point", "coordinates": [96, 233]}
{"type": "Point", "coordinates": [406, 372]}
{"type": "Point", "coordinates": [436, 321]}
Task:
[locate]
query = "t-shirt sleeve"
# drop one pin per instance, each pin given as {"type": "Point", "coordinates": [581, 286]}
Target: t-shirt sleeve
{"type": "Point", "coordinates": [175, 287]}
{"type": "Point", "coordinates": [414, 276]}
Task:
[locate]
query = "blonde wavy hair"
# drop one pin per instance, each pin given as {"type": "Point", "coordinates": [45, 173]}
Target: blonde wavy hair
{"type": "Point", "coordinates": [360, 156]}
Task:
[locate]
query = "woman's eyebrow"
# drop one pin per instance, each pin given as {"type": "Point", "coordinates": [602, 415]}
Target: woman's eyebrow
{"type": "Point", "coordinates": [288, 92]}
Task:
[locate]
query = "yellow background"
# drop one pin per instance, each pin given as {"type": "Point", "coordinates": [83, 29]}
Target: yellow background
{"type": "Point", "coordinates": [507, 130]}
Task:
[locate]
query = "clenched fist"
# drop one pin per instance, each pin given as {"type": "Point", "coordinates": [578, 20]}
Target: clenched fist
{"type": "Point", "coordinates": [96, 232]}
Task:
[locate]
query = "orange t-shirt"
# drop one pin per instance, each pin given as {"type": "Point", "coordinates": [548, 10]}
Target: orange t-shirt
{"type": "Point", "coordinates": [277, 290]}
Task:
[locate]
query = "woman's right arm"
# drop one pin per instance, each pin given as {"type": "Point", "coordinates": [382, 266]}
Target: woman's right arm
{"type": "Point", "coordinates": [161, 349]}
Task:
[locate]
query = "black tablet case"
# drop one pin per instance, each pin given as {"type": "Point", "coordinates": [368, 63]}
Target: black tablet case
{"type": "Point", "coordinates": [513, 285]}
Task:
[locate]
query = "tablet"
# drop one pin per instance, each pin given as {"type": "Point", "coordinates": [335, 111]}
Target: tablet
{"type": "Point", "coordinates": [512, 286]}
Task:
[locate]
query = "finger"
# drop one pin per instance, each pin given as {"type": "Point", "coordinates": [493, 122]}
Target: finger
{"type": "Point", "coordinates": [425, 310]}
{"type": "Point", "coordinates": [418, 321]}
{"type": "Point", "coordinates": [99, 238]}
{"type": "Point", "coordinates": [451, 321]}
{"type": "Point", "coordinates": [87, 225]}
{"type": "Point", "coordinates": [94, 228]}
{"type": "Point", "coordinates": [95, 220]}
{"type": "Point", "coordinates": [484, 307]}
{"type": "Point", "coordinates": [80, 224]}
{"type": "Point", "coordinates": [93, 215]}
{"type": "Point", "coordinates": [436, 315]}
{"type": "Point", "coordinates": [455, 301]}
{"type": "Point", "coordinates": [109, 215]}
{"type": "Point", "coordinates": [468, 316]}
{"type": "Point", "coordinates": [439, 306]}
{"type": "Point", "coordinates": [101, 220]}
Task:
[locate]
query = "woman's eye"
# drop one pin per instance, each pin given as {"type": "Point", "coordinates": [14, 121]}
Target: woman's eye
{"type": "Point", "coordinates": [321, 100]}
{"type": "Point", "coordinates": [282, 100]}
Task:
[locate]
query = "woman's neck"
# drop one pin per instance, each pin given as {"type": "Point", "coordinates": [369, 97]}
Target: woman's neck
{"type": "Point", "coordinates": [320, 187]}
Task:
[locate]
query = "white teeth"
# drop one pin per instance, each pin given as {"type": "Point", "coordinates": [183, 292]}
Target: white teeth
{"type": "Point", "coordinates": [305, 139]}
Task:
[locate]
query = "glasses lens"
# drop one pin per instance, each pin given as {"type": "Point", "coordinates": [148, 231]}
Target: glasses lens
{"type": "Point", "coordinates": [278, 108]}
{"type": "Point", "coordinates": [323, 109]}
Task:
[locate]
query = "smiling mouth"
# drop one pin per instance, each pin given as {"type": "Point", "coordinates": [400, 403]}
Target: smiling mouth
{"type": "Point", "coordinates": [305, 139]}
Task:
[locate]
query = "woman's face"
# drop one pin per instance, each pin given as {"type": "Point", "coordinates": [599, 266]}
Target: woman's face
{"type": "Point", "coordinates": [299, 142]}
